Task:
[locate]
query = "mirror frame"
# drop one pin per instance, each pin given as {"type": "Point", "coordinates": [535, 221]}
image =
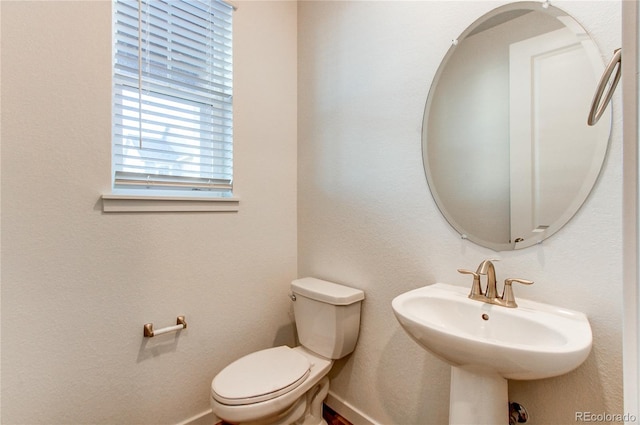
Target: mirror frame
{"type": "Point", "coordinates": [600, 151]}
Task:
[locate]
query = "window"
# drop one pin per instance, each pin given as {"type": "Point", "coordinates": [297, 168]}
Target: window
{"type": "Point", "coordinates": [172, 96]}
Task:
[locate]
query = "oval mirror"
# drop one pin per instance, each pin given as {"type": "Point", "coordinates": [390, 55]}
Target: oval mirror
{"type": "Point", "coordinates": [507, 151]}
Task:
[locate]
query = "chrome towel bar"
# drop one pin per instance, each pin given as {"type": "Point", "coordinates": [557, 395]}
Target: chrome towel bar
{"type": "Point", "coordinates": [149, 332]}
{"type": "Point", "coordinates": [598, 105]}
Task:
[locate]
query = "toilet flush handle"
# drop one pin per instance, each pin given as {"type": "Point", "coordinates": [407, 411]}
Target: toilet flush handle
{"type": "Point", "coordinates": [292, 296]}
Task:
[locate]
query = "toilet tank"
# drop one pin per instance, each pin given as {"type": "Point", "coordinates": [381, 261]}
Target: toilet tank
{"type": "Point", "coordinates": [327, 316]}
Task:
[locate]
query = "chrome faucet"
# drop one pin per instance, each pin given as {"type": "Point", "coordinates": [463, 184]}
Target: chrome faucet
{"type": "Point", "coordinates": [507, 299]}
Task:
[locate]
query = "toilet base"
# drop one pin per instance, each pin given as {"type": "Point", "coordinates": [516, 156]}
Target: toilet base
{"type": "Point", "coordinates": [315, 397]}
{"type": "Point", "coordinates": [307, 410]}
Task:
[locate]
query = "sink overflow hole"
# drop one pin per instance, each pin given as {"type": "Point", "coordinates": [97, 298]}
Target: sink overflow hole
{"type": "Point", "coordinates": [485, 316]}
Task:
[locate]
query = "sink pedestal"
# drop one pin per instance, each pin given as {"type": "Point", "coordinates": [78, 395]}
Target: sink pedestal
{"type": "Point", "coordinates": [478, 398]}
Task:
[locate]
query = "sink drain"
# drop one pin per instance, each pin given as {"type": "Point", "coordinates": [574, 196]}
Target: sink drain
{"type": "Point", "coordinates": [485, 316]}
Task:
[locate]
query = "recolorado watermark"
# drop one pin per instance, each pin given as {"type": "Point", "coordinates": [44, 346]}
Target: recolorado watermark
{"type": "Point", "coordinates": [605, 417]}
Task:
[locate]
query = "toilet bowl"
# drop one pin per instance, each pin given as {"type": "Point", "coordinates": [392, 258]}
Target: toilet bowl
{"type": "Point", "coordinates": [255, 402]}
{"type": "Point", "coordinates": [284, 385]}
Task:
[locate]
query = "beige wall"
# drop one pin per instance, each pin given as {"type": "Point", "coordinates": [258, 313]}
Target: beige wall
{"type": "Point", "coordinates": [78, 284]}
{"type": "Point", "coordinates": [366, 218]}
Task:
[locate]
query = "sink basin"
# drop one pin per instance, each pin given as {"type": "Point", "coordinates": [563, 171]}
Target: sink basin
{"type": "Point", "coordinates": [532, 341]}
{"type": "Point", "coordinates": [486, 344]}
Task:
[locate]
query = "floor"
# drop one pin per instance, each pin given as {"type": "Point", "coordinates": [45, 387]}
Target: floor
{"type": "Point", "coordinates": [332, 417]}
{"type": "Point", "coordinates": [328, 414]}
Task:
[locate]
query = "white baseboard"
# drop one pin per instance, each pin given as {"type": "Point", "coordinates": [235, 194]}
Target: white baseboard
{"type": "Point", "coordinates": [349, 412]}
{"type": "Point", "coordinates": [205, 418]}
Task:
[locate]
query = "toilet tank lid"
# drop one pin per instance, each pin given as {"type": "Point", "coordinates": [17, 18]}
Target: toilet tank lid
{"type": "Point", "coordinates": [324, 291]}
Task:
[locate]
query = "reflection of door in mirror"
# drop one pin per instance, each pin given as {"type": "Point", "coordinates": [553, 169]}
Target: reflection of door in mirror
{"type": "Point", "coordinates": [550, 144]}
{"type": "Point", "coordinates": [469, 125]}
{"type": "Point", "coordinates": [507, 151]}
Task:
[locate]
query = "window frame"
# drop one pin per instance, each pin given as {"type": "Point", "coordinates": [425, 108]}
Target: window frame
{"type": "Point", "coordinates": [156, 193]}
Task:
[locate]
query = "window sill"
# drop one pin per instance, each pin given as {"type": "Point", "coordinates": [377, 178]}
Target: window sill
{"type": "Point", "coordinates": [117, 203]}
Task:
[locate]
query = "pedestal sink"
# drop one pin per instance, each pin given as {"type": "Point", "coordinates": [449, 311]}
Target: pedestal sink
{"type": "Point", "coordinates": [487, 344]}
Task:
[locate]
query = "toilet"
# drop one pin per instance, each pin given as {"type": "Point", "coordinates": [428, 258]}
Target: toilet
{"type": "Point", "coordinates": [284, 385]}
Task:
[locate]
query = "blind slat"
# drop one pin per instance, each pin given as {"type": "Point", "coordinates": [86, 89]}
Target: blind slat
{"type": "Point", "coordinates": [184, 182]}
{"type": "Point", "coordinates": [217, 111]}
{"type": "Point", "coordinates": [172, 115]}
{"type": "Point", "coordinates": [176, 145]}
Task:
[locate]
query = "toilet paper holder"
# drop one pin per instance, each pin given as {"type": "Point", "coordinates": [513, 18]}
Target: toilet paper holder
{"type": "Point", "coordinates": [149, 332]}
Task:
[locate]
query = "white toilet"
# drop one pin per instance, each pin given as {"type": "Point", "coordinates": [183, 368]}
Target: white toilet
{"type": "Point", "coordinates": [284, 385]}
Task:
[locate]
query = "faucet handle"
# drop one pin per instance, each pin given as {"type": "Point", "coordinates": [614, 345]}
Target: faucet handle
{"type": "Point", "coordinates": [508, 299]}
{"type": "Point", "coordinates": [476, 290]}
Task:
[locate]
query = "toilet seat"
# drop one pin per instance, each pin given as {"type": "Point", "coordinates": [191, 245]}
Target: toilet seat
{"type": "Point", "coordinates": [260, 376]}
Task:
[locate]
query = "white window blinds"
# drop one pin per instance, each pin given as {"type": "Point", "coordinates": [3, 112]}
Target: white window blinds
{"type": "Point", "coordinates": [172, 89]}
